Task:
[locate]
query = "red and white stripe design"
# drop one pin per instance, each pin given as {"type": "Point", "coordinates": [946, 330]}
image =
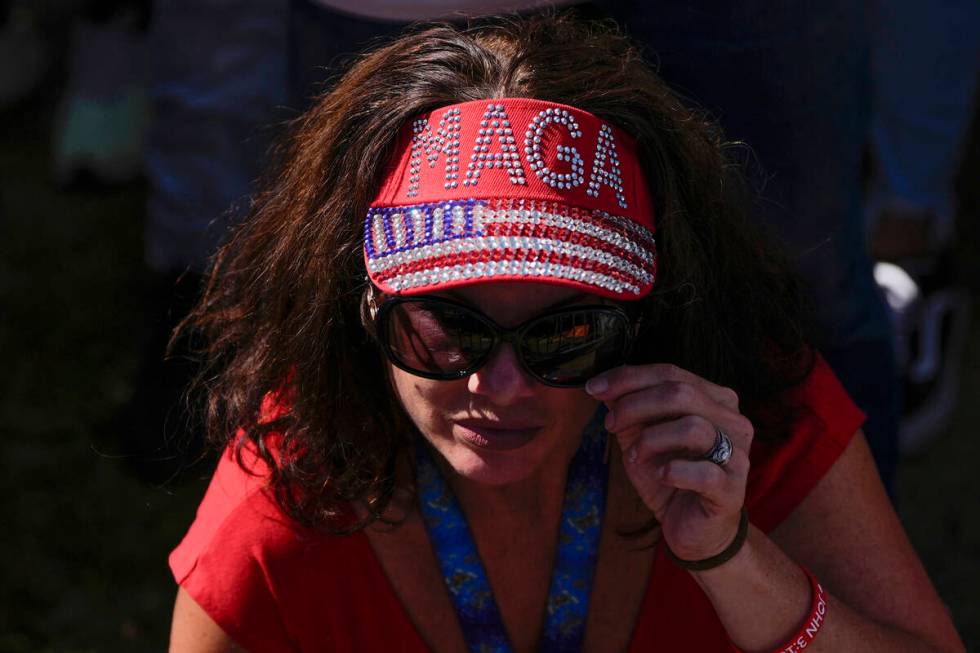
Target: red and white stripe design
{"type": "Point", "coordinates": [608, 254]}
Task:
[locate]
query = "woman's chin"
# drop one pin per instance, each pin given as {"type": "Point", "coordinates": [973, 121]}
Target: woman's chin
{"type": "Point", "coordinates": [487, 466]}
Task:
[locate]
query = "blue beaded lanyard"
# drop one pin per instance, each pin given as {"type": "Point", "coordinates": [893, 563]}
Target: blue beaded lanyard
{"type": "Point", "coordinates": [578, 547]}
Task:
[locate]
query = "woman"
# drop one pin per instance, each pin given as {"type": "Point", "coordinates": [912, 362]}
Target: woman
{"type": "Point", "coordinates": [551, 393]}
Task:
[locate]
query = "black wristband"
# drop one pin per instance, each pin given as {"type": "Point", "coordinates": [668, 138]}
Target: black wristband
{"type": "Point", "coordinates": [721, 558]}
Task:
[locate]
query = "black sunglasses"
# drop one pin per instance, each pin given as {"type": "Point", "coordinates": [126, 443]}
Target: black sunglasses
{"type": "Point", "coordinates": [441, 339]}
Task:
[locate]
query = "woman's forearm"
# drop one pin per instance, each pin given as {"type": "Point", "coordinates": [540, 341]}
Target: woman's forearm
{"type": "Point", "coordinates": [763, 599]}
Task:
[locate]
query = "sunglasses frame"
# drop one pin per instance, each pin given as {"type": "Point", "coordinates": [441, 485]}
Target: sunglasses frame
{"type": "Point", "coordinates": [513, 336]}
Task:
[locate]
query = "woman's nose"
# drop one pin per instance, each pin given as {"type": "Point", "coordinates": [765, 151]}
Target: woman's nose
{"type": "Point", "coordinates": [502, 379]}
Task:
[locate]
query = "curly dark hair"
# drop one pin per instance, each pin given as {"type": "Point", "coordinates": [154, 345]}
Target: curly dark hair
{"type": "Point", "coordinates": [280, 312]}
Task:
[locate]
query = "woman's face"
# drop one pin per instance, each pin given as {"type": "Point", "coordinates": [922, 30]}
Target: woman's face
{"type": "Point", "coordinates": [499, 425]}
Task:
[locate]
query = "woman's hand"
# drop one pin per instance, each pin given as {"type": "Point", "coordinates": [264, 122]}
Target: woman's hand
{"type": "Point", "coordinates": [666, 419]}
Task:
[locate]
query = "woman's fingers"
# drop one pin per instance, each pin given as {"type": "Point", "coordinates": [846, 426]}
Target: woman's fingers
{"type": "Point", "coordinates": [691, 435]}
{"type": "Point", "coordinates": [672, 400]}
{"type": "Point", "coordinates": [638, 394]}
{"type": "Point", "coordinates": [721, 486]}
{"type": "Point", "coordinates": [662, 458]}
{"type": "Point", "coordinates": [711, 482]}
{"type": "Point", "coordinates": [629, 378]}
{"type": "Point", "coordinates": [666, 419]}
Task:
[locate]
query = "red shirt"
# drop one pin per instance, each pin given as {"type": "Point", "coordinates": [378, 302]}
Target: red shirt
{"type": "Point", "coordinates": [275, 586]}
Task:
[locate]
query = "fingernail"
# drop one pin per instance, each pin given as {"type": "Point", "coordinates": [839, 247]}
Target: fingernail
{"type": "Point", "coordinates": [597, 385]}
{"type": "Point", "coordinates": [631, 455]}
{"type": "Point", "coordinates": [610, 421]}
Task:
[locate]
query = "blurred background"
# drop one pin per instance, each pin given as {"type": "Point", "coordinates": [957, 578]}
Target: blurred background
{"type": "Point", "coordinates": [132, 131]}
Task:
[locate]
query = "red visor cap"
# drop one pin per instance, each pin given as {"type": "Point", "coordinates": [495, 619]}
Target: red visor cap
{"type": "Point", "coordinates": [512, 189]}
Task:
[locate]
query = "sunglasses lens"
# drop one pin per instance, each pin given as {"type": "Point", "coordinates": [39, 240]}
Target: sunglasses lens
{"type": "Point", "coordinates": [434, 339]}
{"type": "Point", "coordinates": [571, 347]}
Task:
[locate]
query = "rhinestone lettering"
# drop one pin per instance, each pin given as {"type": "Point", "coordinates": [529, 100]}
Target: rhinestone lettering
{"type": "Point", "coordinates": [605, 153]}
{"type": "Point", "coordinates": [532, 149]}
{"type": "Point", "coordinates": [445, 141]}
{"type": "Point", "coordinates": [495, 123]}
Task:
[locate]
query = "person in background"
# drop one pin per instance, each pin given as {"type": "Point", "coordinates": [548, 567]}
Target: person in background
{"type": "Point", "coordinates": [926, 65]}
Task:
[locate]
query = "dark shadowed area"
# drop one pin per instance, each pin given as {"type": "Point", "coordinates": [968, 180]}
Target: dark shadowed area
{"type": "Point", "coordinates": [85, 543]}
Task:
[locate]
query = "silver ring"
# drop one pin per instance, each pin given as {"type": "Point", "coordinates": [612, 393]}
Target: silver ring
{"type": "Point", "coordinates": [722, 450]}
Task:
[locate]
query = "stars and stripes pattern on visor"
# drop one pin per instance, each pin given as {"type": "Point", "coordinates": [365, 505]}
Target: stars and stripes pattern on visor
{"type": "Point", "coordinates": [512, 190]}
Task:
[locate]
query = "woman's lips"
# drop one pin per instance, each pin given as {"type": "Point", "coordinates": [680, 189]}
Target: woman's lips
{"type": "Point", "coordinates": [496, 436]}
